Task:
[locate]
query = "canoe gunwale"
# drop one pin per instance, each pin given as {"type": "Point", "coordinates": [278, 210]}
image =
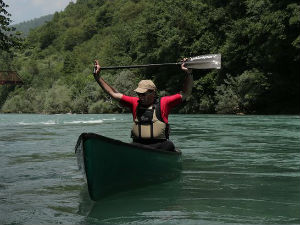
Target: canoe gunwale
{"type": "Point", "coordinates": [85, 136]}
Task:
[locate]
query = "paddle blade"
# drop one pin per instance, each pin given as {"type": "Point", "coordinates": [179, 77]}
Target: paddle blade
{"type": "Point", "coordinates": [211, 61]}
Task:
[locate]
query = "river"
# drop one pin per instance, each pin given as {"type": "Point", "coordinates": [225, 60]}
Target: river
{"type": "Point", "coordinates": [236, 170]}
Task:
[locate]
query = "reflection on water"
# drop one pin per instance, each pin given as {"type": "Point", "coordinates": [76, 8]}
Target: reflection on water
{"type": "Point", "coordinates": [132, 205]}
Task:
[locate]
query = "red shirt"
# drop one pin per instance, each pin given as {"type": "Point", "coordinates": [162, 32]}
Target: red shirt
{"type": "Point", "coordinates": [166, 104]}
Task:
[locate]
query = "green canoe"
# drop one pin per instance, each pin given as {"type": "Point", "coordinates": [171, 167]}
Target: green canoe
{"type": "Point", "coordinates": [111, 166]}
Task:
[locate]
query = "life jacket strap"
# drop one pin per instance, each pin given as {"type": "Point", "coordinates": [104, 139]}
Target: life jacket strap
{"type": "Point", "coordinates": [140, 130]}
{"type": "Point", "coordinates": [151, 129]}
{"type": "Point", "coordinates": [167, 131]}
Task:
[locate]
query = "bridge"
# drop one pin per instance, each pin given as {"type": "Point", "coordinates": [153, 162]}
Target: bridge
{"type": "Point", "coordinates": [10, 77]}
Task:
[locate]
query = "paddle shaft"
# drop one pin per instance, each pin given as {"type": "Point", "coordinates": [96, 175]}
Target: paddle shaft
{"type": "Point", "coordinates": [211, 61]}
{"type": "Point", "coordinates": [150, 65]}
{"type": "Point", "coordinates": [138, 66]}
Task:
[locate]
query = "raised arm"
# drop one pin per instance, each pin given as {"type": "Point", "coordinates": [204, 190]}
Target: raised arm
{"type": "Point", "coordinates": [105, 86]}
{"type": "Point", "coordinates": [188, 82]}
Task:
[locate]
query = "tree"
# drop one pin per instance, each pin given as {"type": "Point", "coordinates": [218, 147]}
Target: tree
{"type": "Point", "coordinates": [58, 99]}
{"type": "Point", "coordinates": [48, 35]}
{"type": "Point", "coordinates": [244, 93]}
{"type": "Point", "coordinates": [7, 38]}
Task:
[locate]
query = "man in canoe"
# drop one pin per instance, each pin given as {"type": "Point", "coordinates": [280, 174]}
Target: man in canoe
{"type": "Point", "coordinates": [150, 113]}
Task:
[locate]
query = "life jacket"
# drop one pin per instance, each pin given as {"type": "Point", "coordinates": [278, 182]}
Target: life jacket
{"type": "Point", "coordinates": [148, 124]}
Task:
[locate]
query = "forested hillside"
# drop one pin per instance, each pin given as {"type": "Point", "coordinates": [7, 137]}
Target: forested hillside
{"type": "Point", "coordinates": [26, 26]}
{"type": "Point", "coordinates": [258, 39]}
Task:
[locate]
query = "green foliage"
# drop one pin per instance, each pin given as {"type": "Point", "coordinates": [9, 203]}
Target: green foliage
{"type": "Point", "coordinates": [48, 35]}
{"type": "Point", "coordinates": [126, 81]}
{"type": "Point", "coordinates": [203, 97]}
{"type": "Point", "coordinates": [14, 104]}
{"type": "Point", "coordinates": [242, 93]}
{"type": "Point", "coordinates": [8, 38]}
{"type": "Point", "coordinates": [259, 41]}
{"type": "Point", "coordinates": [73, 36]}
{"type": "Point", "coordinates": [6, 60]}
{"type": "Point", "coordinates": [4, 93]}
{"type": "Point", "coordinates": [58, 99]}
{"type": "Point", "coordinates": [25, 27]}
{"type": "Point", "coordinates": [228, 100]}
{"type": "Point", "coordinates": [68, 66]}
{"type": "Point", "coordinates": [25, 101]}
{"type": "Point", "coordinates": [104, 16]}
{"type": "Point", "coordinates": [86, 96]}
{"type": "Point", "coordinates": [100, 107]}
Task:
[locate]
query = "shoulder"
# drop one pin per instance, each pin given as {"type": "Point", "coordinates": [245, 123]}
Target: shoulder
{"type": "Point", "coordinates": [129, 99]}
{"type": "Point", "coordinates": [171, 98]}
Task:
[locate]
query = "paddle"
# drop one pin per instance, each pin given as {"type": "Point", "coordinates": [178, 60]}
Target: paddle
{"type": "Point", "coordinates": [211, 61]}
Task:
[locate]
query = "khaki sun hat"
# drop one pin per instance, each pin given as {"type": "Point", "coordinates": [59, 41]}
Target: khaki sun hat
{"type": "Point", "coordinates": [145, 85]}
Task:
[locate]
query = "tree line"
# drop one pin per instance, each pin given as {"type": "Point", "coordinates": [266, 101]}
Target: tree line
{"type": "Point", "coordinates": [259, 42]}
{"type": "Point", "coordinates": [25, 27]}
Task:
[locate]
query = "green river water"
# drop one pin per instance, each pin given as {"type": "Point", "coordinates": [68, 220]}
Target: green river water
{"type": "Point", "coordinates": [236, 170]}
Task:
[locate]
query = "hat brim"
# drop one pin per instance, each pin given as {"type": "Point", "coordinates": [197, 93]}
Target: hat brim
{"type": "Point", "coordinates": [141, 90]}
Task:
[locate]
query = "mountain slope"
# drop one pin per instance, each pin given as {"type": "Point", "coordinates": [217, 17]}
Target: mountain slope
{"type": "Point", "coordinates": [26, 26]}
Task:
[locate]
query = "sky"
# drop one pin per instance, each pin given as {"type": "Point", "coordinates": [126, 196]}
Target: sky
{"type": "Point", "coordinates": [24, 10]}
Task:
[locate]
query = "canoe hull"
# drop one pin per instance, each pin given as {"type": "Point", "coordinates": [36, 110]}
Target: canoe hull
{"type": "Point", "coordinates": [111, 166]}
